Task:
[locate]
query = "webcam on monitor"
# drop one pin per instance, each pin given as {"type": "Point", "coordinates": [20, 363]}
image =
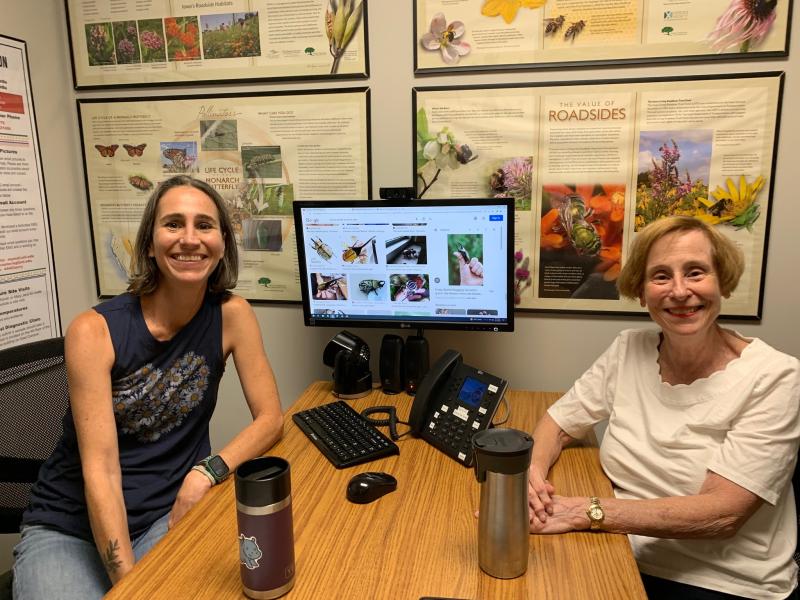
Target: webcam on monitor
{"type": "Point", "coordinates": [397, 193]}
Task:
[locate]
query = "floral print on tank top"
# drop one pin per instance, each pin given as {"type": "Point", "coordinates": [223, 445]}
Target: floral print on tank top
{"type": "Point", "coordinates": [150, 402]}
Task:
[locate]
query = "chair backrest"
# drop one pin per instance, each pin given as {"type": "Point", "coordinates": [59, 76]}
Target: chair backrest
{"type": "Point", "coordinates": [33, 401]}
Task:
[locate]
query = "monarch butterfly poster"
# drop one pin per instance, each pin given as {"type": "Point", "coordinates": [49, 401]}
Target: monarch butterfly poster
{"type": "Point", "coordinates": [260, 152]}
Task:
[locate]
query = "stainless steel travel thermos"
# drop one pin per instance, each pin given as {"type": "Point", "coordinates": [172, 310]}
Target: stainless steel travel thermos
{"type": "Point", "coordinates": [266, 538]}
{"type": "Point", "coordinates": [502, 458]}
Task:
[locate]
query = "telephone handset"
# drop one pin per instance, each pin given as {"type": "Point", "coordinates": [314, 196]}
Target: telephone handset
{"type": "Point", "coordinates": [453, 402]}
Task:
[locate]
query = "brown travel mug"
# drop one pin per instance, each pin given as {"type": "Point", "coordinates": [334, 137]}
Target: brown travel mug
{"type": "Point", "coordinates": [266, 538]}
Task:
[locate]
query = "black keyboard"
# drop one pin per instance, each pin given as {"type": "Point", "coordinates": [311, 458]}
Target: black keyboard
{"type": "Point", "coordinates": [342, 435]}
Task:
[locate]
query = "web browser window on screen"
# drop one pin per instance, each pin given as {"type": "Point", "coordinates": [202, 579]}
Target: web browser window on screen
{"type": "Point", "coordinates": [443, 263]}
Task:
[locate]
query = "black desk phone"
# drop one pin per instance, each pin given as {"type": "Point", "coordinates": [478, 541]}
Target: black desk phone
{"type": "Point", "coordinates": [453, 402]}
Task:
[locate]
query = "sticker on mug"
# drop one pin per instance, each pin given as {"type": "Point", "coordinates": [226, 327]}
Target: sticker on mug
{"type": "Point", "coordinates": [249, 552]}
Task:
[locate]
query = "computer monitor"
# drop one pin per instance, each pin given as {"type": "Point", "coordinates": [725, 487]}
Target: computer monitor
{"type": "Point", "coordinates": [419, 264]}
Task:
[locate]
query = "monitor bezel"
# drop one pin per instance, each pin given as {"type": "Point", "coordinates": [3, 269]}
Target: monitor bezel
{"type": "Point", "coordinates": [410, 324]}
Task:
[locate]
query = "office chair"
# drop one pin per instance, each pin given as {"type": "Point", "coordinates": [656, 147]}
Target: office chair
{"type": "Point", "coordinates": [33, 401]}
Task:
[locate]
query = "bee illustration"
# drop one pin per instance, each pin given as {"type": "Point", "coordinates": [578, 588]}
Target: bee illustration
{"type": "Point", "coordinates": [371, 285]}
{"type": "Point", "coordinates": [322, 248]}
{"type": "Point", "coordinates": [574, 221]}
{"type": "Point", "coordinates": [553, 25]}
{"type": "Point", "coordinates": [574, 29]}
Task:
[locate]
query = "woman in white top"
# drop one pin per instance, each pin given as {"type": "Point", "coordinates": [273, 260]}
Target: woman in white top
{"type": "Point", "coordinates": [703, 431]}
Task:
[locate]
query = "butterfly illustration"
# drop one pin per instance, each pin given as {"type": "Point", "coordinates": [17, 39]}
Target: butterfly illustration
{"type": "Point", "coordinates": [134, 150]}
{"type": "Point", "coordinates": [106, 151]}
{"type": "Point", "coordinates": [177, 156]}
{"type": "Point", "coordinates": [140, 182]}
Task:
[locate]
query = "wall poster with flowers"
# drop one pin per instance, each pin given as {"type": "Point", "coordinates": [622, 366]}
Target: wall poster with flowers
{"type": "Point", "coordinates": [131, 43]}
{"type": "Point", "coordinates": [589, 165]}
{"type": "Point", "coordinates": [260, 151]}
{"type": "Point", "coordinates": [529, 34]}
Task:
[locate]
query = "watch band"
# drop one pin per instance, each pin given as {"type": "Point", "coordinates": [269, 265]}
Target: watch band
{"type": "Point", "coordinates": [202, 469]}
{"type": "Point", "coordinates": [595, 513]}
{"type": "Point", "coordinates": [215, 467]}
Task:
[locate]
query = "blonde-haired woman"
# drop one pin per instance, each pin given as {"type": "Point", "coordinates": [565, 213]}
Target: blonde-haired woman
{"type": "Point", "coordinates": [702, 437]}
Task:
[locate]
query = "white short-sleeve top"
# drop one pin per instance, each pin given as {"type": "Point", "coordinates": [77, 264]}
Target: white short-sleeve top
{"type": "Point", "coordinates": [742, 423]}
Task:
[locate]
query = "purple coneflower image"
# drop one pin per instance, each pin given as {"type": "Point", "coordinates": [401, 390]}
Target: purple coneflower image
{"type": "Point", "coordinates": [744, 24]}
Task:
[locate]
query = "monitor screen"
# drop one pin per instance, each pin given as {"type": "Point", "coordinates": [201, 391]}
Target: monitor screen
{"type": "Point", "coordinates": [432, 264]}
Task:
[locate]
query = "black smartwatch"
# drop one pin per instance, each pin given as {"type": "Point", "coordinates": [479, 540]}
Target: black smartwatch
{"type": "Point", "coordinates": [216, 467]}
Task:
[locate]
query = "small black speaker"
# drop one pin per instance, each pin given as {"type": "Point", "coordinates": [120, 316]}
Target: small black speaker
{"type": "Point", "coordinates": [391, 363]}
{"type": "Point", "coordinates": [417, 361]}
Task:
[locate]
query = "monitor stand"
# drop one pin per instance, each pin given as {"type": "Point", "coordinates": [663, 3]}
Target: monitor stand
{"type": "Point", "coordinates": [417, 360]}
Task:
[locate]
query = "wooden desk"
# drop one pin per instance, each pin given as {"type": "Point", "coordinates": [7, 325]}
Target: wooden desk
{"type": "Point", "coordinates": [420, 540]}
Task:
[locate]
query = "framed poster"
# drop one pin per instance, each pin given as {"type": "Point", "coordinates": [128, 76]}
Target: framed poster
{"type": "Point", "coordinates": [458, 35]}
{"type": "Point", "coordinates": [260, 151]}
{"type": "Point", "coordinates": [162, 42]}
{"type": "Point", "coordinates": [28, 294]}
{"type": "Point", "coordinates": [591, 163]}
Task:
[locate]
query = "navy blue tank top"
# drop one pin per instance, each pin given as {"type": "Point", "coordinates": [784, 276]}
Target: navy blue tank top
{"type": "Point", "coordinates": [164, 394]}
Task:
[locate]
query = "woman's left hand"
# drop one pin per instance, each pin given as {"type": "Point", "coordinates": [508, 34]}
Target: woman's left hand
{"type": "Point", "coordinates": [569, 514]}
{"type": "Point", "coordinates": [195, 485]}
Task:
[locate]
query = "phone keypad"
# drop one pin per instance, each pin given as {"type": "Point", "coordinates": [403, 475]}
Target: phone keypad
{"type": "Point", "coordinates": [450, 427]}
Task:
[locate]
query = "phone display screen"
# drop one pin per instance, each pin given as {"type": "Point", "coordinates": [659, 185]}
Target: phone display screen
{"type": "Point", "coordinates": [471, 392]}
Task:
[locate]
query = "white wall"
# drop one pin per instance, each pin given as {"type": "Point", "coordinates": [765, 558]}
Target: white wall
{"type": "Point", "coordinates": [546, 352]}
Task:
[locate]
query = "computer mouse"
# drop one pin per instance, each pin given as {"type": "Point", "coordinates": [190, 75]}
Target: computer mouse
{"type": "Point", "coordinates": [367, 487]}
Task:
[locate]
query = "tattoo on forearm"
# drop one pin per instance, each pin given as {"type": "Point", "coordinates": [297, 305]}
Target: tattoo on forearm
{"type": "Point", "coordinates": [111, 558]}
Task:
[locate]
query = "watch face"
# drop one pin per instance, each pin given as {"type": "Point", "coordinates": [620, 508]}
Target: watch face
{"type": "Point", "coordinates": [595, 513]}
{"type": "Point", "coordinates": [218, 466]}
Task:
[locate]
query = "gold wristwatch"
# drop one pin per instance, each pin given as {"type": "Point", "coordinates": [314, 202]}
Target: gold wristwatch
{"type": "Point", "coordinates": [595, 513]}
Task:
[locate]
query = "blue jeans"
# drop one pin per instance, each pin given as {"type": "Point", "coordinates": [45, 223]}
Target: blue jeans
{"type": "Point", "coordinates": [50, 565]}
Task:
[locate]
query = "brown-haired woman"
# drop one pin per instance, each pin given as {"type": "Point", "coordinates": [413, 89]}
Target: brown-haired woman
{"type": "Point", "coordinates": [143, 371]}
{"type": "Point", "coordinates": [703, 431]}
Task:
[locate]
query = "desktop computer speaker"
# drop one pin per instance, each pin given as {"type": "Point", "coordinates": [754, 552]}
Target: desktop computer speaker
{"type": "Point", "coordinates": [391, 364]}
{"type": "Point", "coordinates": [417, 362]}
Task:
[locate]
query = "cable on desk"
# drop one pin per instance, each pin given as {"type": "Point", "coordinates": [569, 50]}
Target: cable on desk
{"type": "Point", "coordinates": [391, 420]}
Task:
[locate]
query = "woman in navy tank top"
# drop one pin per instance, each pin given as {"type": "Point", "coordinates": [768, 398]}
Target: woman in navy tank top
{"type": "Point", "coordinates": [143, 370]}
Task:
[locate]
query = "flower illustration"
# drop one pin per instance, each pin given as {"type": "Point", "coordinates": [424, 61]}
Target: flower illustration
{"type": "Point", "coordinates": [522, 275]}
{"type": "Point", "coordinates": [150, 402]}
{"type": "Point", "coordinates": [125, 50]}
{"type": "Point", "coordinates": [439, 151]}
{"type": "Point", "coordinates": [508, 8]}
{"type": "Point", "coordinates": [514, 179]}
{"type": "Point", "coordinates": [444, 37]}
{"type": "Point", "coordinates": [745, 23]}
{"type": "Point", "coordinates": [183, 39]}
{"type": "Point", "coordinates": [151, 40]}
{"type": "Point", "coordinates": [736, 205]}
{"type": "Point", "coordinates": [340, 23]}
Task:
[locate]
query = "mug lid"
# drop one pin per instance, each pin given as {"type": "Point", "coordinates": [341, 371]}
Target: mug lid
{"type": "Point", "coordinates": [506, 451]}
{"type": "Point", "coordinates": [263, 481]}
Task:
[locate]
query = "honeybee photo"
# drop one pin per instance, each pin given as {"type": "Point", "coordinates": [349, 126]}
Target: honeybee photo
{"type": "Point", "coordinates": [581, 240]}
